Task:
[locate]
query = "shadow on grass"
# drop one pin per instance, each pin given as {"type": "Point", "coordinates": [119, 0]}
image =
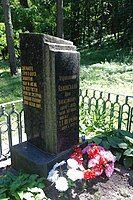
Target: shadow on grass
{"type": "Point", "coordinates": [109, 54]}
{"type": "Point", "coordinates": [10, 87]}
{"type": "Point", "coordinates": [4, 64]}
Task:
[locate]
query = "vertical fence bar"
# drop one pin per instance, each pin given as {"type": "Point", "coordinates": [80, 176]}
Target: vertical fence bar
{"type": "Point", "coordinates": [5, 115]}
{"type": "Point", "coordinates": [0, 142]}
{"type": "Point", "coordinates": [131, 121]}
{"type": "Point", "coordinates": [21, 127]}
{"type": "Point", "coordinates": [128, 114]}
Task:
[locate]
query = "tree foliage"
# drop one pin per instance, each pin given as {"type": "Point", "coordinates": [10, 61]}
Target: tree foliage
{"type": "Point", "coordinates": [86, 22]}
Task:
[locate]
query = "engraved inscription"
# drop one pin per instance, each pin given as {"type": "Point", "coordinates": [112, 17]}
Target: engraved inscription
{"type": "Point", "coordinates": [67, 105]}
{"type": "Point", "coordinates": [31, 94]}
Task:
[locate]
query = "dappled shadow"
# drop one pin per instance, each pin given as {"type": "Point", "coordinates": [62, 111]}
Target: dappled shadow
{"type": "Point", "coordinates": [5, 164]}
{"type": "Point", "coordinates": [130, 180]}
{"type": "Point", "coordinates": [4, 64]}
{"type": "Point", "coordinates": [99, 55]}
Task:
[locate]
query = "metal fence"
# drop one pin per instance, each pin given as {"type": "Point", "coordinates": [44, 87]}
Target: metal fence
{"type": "Point", "coordinates": [118, 109]}
{"type": "Point", "coordinates": [11, 126]}
{"type": "Point", "coordinates": [107, 109]}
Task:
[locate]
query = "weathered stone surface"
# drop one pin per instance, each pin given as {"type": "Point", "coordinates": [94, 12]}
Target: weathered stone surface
{"type": "Point", "coordinates": [62, 122]}
{"type": "Point", "coordinates": [50, 75]}
{"type": "Point", "coordinates": [27, 157]}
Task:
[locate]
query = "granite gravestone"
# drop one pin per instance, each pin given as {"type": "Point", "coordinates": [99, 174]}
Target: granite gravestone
{"type": "Point", "coordinates": [50, 81]}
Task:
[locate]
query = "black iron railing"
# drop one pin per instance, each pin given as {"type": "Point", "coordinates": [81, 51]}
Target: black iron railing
{"type": "Point", "coordinates": [99, 109]}
{"type": "Point", "coordinates": [11, 126]}
{"type": "Point", "coordinates": [114, 110]}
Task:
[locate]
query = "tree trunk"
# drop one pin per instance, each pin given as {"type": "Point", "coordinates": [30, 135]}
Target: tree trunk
{"type": "Point", "coordinates": [59, 6]}
{"type": "Point", "coordinates": [24, 3]}
{"type": "Point", "coordinates": [101, 23]}
{"type": "Point", "coordinates": [9, 37]}
{"type": "Point", "coordinates": [89, 26]}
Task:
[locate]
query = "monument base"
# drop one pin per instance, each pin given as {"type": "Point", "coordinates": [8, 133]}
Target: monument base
{"type": "Point", "coordinates": [29, 158]}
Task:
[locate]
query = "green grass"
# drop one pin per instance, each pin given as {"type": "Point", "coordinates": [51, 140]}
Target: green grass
{"type": "Point", "coordinates": [10, 87]}
{"type": "Point", "coordinates": [107, 69]}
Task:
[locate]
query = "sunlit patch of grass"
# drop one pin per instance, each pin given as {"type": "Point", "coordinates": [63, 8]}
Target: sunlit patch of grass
{"type": "Point", "coordinates": [10, 86]}
{"type": "Point", "coordinates": [106, 69]}
{"type": "Point", "coordinates": [109, 77]}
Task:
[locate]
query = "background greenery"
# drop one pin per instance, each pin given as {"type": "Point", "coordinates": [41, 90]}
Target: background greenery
{"type": "Point", "coordinates": [101, 29]}
{"type": "Point", "coordinates": [86, 23]}
{"type": "Point", "coordinates": [114, 76]}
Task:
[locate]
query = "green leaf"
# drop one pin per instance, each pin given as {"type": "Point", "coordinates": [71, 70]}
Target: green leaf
{"type": "Point", "coordinates": [41, 185]}
{"type": "Point", "coordinates": [97, 140]}
{"type": "Point", "coordinates": [118, 155]}
{"type": "Point", "coordinates": [89, 141]}
{"type": "Point", "coordinates": [123, 145]}
{"type": "Point", "coordinates": [113, 141]}
{"type": "Point", "coordinates": [16, 196]}
{"type": "Point", "coordinates": [129, 139]}
{"type": "Point", "coordinates": [20, 194]}
{"type": "Point", "coordinates": [105, 144]}
{"type": "Point", "coordinates": [128, 162]}
{"type": "Point", "coordinates": [2, 190]}
{"type": "Point", "coordinates": [15, 185]}
{"type": "Point", "coordinates": [128, 152]}
{"type": "Point", "coordinates": [126, 133]}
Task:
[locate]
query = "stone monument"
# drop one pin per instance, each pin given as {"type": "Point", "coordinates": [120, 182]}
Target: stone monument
{"type": "Point", "coordinates": [50, 82]}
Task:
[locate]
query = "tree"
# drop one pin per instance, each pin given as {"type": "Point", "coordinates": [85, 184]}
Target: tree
{"type": "Point", "coordinates": [9, 36]}
{"type": "Point", "coordinates": [59, 6]}
{"type": "Point", "coordinates": [24, 3]}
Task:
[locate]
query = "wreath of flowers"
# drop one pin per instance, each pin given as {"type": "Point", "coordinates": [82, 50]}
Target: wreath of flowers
{"type": "Point", "coordinates": [83, 164]}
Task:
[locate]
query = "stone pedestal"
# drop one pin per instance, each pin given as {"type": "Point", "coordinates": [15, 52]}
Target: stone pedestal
{"type": "Point", "coordinates": [31, 159]}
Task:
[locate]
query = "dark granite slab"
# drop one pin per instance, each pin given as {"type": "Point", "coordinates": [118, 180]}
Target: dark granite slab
{"type": "Point", "coordinates": [29, 158]}
{"type": "Point", "coordinates": [50, 79]}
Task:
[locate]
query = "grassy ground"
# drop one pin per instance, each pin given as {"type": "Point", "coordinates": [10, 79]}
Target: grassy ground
{"type": "Point", "coordinates": [10, 87]}
{"type": "Point", "coordinates": [106, 69]}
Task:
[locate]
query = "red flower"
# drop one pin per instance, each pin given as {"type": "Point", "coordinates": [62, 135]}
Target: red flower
{"type": "Point", "coordinates": [89, 174]}
{"type": "Point", "coordinates": [77, 155]}
{"type": "Point", "coordinates": [96, 158]}
{"type": "Point", "coordinates": [77, 150]}
{"type": "Point", "coordinates": [94, 151]}
{"type": "Point", "coordinates": [98, 169]}
{"type": "Point", "coordinates": [102, 161]}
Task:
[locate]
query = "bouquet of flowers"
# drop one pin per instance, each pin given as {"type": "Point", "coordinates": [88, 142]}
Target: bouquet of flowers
{"type": "Point", "coordinates": [86, 164]}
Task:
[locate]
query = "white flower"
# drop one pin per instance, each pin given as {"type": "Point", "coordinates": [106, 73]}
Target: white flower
{"type": "Point", "coordinates": [58, 164]}
{"type": "Point", "coordinates": [74, 174]}
{"type": "Point", "coordinates": [81, 167]}
{"type": "Point", "coordinates": [35, 190]}
{"type": "Point", "coordinates": [61, 184]}
{"type": "Point", "coordinates": [40, 193]}
{"type": "Point", "coordinates": [72, 163]}
{"type": "Point", "coordinates": [53, 176]}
